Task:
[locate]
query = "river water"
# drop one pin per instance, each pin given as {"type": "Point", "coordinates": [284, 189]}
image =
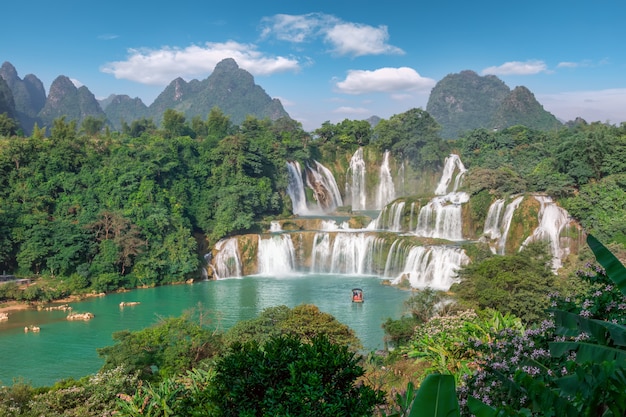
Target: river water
{"type": "Point", "coordinates": [64, 349]}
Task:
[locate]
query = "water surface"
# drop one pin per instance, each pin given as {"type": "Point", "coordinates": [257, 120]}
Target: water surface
{"type": "Point", "coordinates": [65, 348]}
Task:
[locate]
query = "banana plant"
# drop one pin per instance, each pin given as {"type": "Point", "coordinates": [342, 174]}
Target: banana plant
{"type": "Point", "coordinates": [436, 397]}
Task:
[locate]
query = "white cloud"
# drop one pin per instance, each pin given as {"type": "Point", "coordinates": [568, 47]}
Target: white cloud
{"type": "Point", "coordinates": [593, 106]}
{"type": "Point", "coordinates": [345, 38]}
{"type": "Point", "coordinates": [358, 40]}
{"type": "Point", "coordinates": [568, 65]}
{"type": "Point", "coordinates": [351, 110]}
{"type": "Point", "coordinates": [161, 66]}
{"type": "Point", "coordinates": [517, 68]}
{"type": "Point", "coordinates": [76, 83]}
{"type": "Point", "coordinates": [384, 80]}
{"type": "Point", "coordinates": [296, 28]}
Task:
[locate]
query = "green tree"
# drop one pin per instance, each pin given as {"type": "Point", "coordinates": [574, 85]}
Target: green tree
{"type": "Point", "coordinates": [62, 130]}
{"type": "Point", "coordinates": [168, 348]}
{"type": "Point", "coordinates": [516, 284]}
{"type": "Point", "coordinates": [412, 135]}
{"type": "Point", "coordinates": [305, 321]}
{"type": "Point", "coordinates": [8, 126]}
{"type": "Point", "coordinates": [91, 126]}
{"type": "Point", "coordinates": [174, 124]}
{"type": "Point", "coordinates": [287, 376]}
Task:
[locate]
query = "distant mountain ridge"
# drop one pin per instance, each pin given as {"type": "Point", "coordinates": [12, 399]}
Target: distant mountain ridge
{"type": "Point", "coordinates": [229, 87]}
{"type": "Point", "coordinates": [466, 101]}
{"type": "Point", "coordinates": [459, 102]}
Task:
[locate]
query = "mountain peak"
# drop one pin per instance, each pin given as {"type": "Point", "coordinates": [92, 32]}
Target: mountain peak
{"type": "Point", "coordinates": [227, 64]}
{"type": "Point", "coordinates": [466, 101]}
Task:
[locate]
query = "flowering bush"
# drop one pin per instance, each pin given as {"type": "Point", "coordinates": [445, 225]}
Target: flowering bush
{"type": "Point", "coordinates": [574, 363]}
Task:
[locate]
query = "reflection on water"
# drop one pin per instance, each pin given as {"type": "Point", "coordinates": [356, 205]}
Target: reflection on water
{"type": "Point", "coordinates": [68, 348]}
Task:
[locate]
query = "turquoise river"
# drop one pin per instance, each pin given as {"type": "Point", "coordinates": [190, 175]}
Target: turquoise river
{"type": "Point", "coordinates": [64, 349]}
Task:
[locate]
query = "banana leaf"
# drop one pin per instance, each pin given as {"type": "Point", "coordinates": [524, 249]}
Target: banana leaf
{"type": "Point", "coordinates": [436, 397]}
{"type": "Point", "coordinates": [605, 333]}
{"type": "Point", "coordinates": [613, 267]}
{"type": "Point", "coordinates": [588, 352]}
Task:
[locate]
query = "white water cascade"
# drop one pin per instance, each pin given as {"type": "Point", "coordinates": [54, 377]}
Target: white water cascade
{"type": "Point", "coordinates": [355, 181]}
{"type": "Point", "coordinates": [386, 191]}
{"type": "Point", "coordinates": [328, 245]}
{"type": "Point", "coordinates": [295, 189]}
{"type": "Point", "coordinates": [505, 225]}
{"type": "Point", "coordinates": [442, 217]}
{"type": "Point", "coordinates": [344, 253]}
{"type": "Point", "coordinates": [321, 181]}
{"type": "Point", "coordinates": [276, 255]}
{"type": "Point", "coordinates": [424, 266]}
{"type": "Point", "coordinates": [227, 262]}
{"type": "Point", "coordinates": [492, 222]}
{"type": "Point", "coordinates": [390, 218]}
{"type": "Point", "coordinates": [452, 165]}
{"type": "Point", "coordinates": [552, 221]}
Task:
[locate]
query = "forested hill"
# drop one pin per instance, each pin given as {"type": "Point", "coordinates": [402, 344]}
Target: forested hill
{"type": "Point", "coordinates": [229, 87]}
{"type": "Point", "coordinates": [105, 210]}
{"type": "Point", "coordinates": [466, 101]}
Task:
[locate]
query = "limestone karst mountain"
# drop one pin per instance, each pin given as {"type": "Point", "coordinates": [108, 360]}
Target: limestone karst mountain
{"type": "Point", "coordinates": [466, 101]}
{"type": "Point", "coordinates": [229, 87]}
{"type": "Point", "coordinates": [29, 95]}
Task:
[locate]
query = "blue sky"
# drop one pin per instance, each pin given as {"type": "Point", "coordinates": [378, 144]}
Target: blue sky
{"type": "Point", "coordinates": [331, 60]}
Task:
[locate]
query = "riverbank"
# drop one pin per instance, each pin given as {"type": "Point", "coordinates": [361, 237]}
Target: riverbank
{"type": "Point", "coordinates": [10, 306]}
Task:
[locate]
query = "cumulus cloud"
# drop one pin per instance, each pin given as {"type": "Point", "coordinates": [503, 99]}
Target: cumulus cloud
{"type": "Point", "coordinates": [517, 68]}
{"type": "Point", "coordinates": [160, 66]}
{"type": "Point", "coordinates": [384, 80]}
{"type": "Point", "coordinates": [357, 40]}
{"type": "Point", "coordinates": [345, 38]}
{"type": "Point", "coordinates": [76, 82]}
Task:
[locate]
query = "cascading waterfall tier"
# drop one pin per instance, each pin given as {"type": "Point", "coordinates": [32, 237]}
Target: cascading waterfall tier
{"type": "Point", "coordinates": [397, 244]}
{"type": "Point", "coordinates": [338, 250]}
{"type": "Point", "coordinates": [321, 181]}
{"type": "Point", "coordinates": [355, 181]}
{"type": "Point", "coordinates": [553, 220]}
{"type": "Point", "coordinates": [276, 255]}
{"type": "Point", "coordinates": [357, 193]}
{"type": "Point", "coordinates": [386, 191]}
{"type": "Point", "coordinates": [453, 169]}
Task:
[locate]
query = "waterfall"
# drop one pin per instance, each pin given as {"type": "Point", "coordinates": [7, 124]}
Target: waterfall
{"type": "Point", "coordinates": [325, 190]}
{"type": "Point", "coordinates": [452, 164]}
{"type": "Point", "coordinates": [506, 224]}
{"type": "Point", "coordinates": [227, 262]}
{"type": "Point", "coordinates": [390, 218]}
{"type": "Point", "coordinates": [442, 217]}
{"type": "Point", "coordinates": [275, 227]}
{"type": "Point", "coordinates": [295, 189]}
{"type": "Point", "coordinates": [425, 266]}
{"type": "Point", "coordinates": [320, 180]}
{"type": "Point", "coordinates": [386, 191]}
{"type": "Point", "coordinates": [492, 222]}
{"type": "Point", "coordinates": [276, 255]}
{"type": "Point", "coordinates": [355, 181]}
{"type": "Point", "coordinates": [552, 220]}
{"type": "Point", "coordinates": [343, 253]}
